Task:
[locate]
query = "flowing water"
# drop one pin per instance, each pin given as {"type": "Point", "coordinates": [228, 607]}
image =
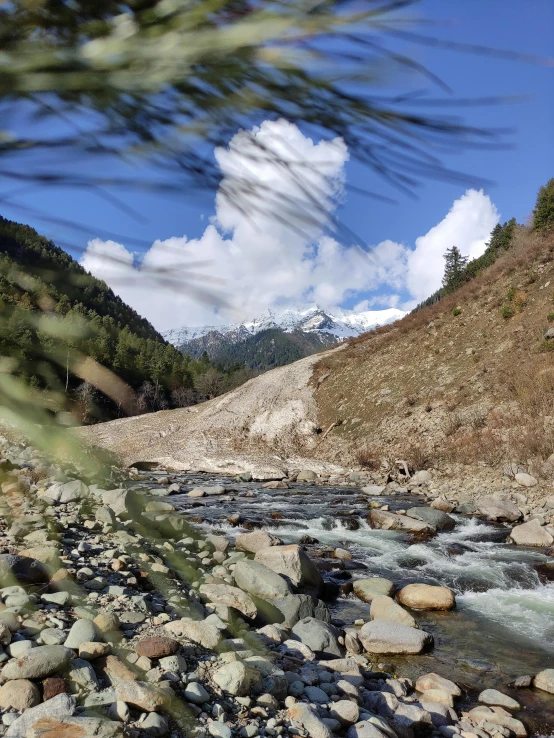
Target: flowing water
{"type": "Point", "coordinates": [503, 625]}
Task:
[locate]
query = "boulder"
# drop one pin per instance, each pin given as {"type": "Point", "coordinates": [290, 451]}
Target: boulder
{"type": "Point", "coordinates": [256, 579]}
{"type": "Point", "coordinates": [498, 718]}
{"type": "Point", "coordinates": [367, 589]}
{"type": "Point", "coordinates": [37, 663]}
{"type": "Point", "coordinates": [61, 706]}
{"type": "Point", "coordinates": [142, 695]}
{"type": "Point", "coordinates": [545, 681]}
{"type": "Point", "coordinates": [69, 492]}
{"type": "Point", "coordinates": [375, 490]}
{"type": "Point", "coordinates": [525, 480]}
{"type": "Point", "coordinates": [390, 521]}
{"type": "Point", "coordinates": [123, 502]}
{"type": "Point", "coordinates": [494, 697]}
{"type": "Point", "coordinates": [435, 681]}
{"type": "Point", "coordinates": [225, 594]}
{"type": "Point", "coordinates": [531, 534]}
{"type": "Point", "coordinates": [426, 597]}
{"type": "Point", "coordinates": [385, 608]}
{"type": "Point", "coordinates": [442, 504]}
{"type": "Point", "coordinates": [256, 540]}
{"type": "Point", "coordinates": [306, 475]}
{"type": "Point", "coordinates": [296, 607]}
{"type": "Point", "coordinates": [205, 634]}
{"type": "Point", "coordinates": [233, 678]}
{"type": "Point", "coordinates": [19, 695]}
{"type": "Point", "coordinates": [321, 637]}
{"type": "Point", "coordinates": [438, 519]}
{"type": "Point", "coordinates": [496, 508]}
{"type": "Point", "coordinates": [292, 562]}
{"type": "Point", "coordinates": [380, 636]}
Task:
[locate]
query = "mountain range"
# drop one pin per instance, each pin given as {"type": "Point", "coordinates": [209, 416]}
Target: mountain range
{"type": "Point", "coordinates": [274, 339]}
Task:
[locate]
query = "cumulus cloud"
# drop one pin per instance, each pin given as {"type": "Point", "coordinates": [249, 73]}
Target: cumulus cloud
{"type": "Point", "coordinates": [266, 247]}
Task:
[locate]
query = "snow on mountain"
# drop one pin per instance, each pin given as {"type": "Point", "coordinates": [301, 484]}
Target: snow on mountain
{"type": "Point", "coordinates": [339, 324]}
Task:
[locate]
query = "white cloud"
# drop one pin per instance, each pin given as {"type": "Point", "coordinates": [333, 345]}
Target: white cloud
{"type": "Point", "coordinates": [266, 247]}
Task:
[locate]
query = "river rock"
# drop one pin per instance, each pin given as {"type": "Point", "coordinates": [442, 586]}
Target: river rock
{"type": "Point", "coordinates": [525, 480]}
{"type": "Point", "coordinates": [145, 696]}
{"type": "Point", "coordinates": [69, 492]}
{"type": "Point", "coordinates": [438, 519]}
{"type": "Point", "coordinates": [308, 718]}
{"type": "Point", "coordinates": [38, 662]}
{"type": "Point", "coordinates": [194, 692]}
{"type": "Point", "coordinates": [296, 607]}
{"type": "Point", "coordinates": [380, 636]}
{"type": "Point", "coordinates": [498, 718]}
{"type": "Point", "coordinates": [292, 562]}
{"type": "Point", "coordinates": [435, 681]}
{"type": "Point", "coordinates": [91, 650]}
{"type": "Point", "coordinates": [426, 597]}
{"type": "Point", "coordinates": [52, 687]}
{"type": "Point", "coordinates": [390, 521]}
{"type": "Point", "coordinates": [58, 707]}
{"type": "Point", "coordinates": [256, 579]}
{"type": "Point", "coordinates": [442, 504]}
{"type": "Point", "coordinates": [206, 634]}
{"type": "Point", "coordinates": [123, 502]}
{"type": "Point", "coordinates": [306, 475]}
{"type": "Point", "coordinates": [531, 534]}
{"type": "Point", "coordinates": [234, 597]}
{"type": "Point", "coordinates": [367, 589]}
{"type": "Point", "coordinates": [258, 539]}
{"type": "Point", "coordinates": [494, 697]}
{"type": "Point", "coordinates": [367, 729]}
{"type": "Point", "coordinates": [26, 570]}
{"type": "Point", "coordinates": [346, 712]}
{"type": "Point", "coordinates": [76, 727]}
{"type": "Point", "coordinates": [321, 637]}
{"type": "Point", "coordinates": [233, 678]}
{"type": "Point", "coordinates": [373, 489]}
{"type": "Point", "coordinates": [497, 508]}
{"type": "Point", "coordinates": [82, 631]}
{"type": "Point", "coordinates": [107, 622]}
{"type": "Point", "coordinates": [385, 608]}
{"type": "Point", "coordinates": [157, 647]}
{"type": "Point", "coordinates": [545, 681]}
{"type": "Point", "coordinates": [19, 694]}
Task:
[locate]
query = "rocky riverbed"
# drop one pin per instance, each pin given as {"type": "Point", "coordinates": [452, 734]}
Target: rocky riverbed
{"type": "Point", "coordinates": [121, 614]}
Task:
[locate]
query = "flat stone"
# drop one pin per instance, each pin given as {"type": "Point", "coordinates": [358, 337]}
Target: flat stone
{"type": "Point", "coordinates": [114, 670]}
{"type": "Point", "coordinates": [234, 597]}
{"type": "Point", "coordinates": [76, 727]}
{"type": "Point", "coordinates": [435, 681]}
{"type": "Point", "coordinates": [494, 697]}
{"type": "Point", "coordinates": [61, 706]}
{"type": "Point", "coordinates": [426, 597]}
{"type": "Point", "coordinates": [390, 521]}
{"type": "Point", "coordinates": [380, 636]}
{"type": "Point", "coordinates": [37, 663]}
{"type": "Point", "coordinates": [157, 647]}
{"type": "Point", "coordinates": [367, 589]}
{"type": "Point", "coordinates": [385, 608]}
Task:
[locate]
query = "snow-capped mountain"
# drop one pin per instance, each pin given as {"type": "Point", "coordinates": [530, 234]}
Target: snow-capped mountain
{"type": "Point", "coordinates": [333, 327]}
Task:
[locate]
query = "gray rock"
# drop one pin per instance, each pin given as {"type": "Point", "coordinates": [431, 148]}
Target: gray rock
{"type": "Point", "coordinates": [421, 477]}
{"type": "Point", "coordinates": [156, 725]}
{"type": "Point", "coordinates": [233, 678]}
{"type": "Point", "coordinates": [82, 631]}
{"type": "Point", "coordinates": [365, 729]}
{"type": "Point", "coordinates": [69, 492]}
{"type": "Point", "coordinates": [234, 597]}
{"type": "Point", "coordinates": [383, 520]}
{"type": "Point", "coordinates": [317, 695]}
{"type": "Point", "coordinates": [61, 706]}
{"type": "Point", "coordinates": [258, 580]}
{"type": "Point", "coordinates": [497, 508]}
{"type": "Point", "coordinates": [38, 663]}
{"type": "Point", "coordinates": [545, 680]}
{"type": "Point", "coordinates": [494, 697]}
{"type": "Point", "coordinates": [194, 692]}
{"type": "Point", "coordinates": [525, 480]}
{"type": "Point", "coordinates": [81, 676]}
{"type": "Point", "coordinates": [385, 608]}
{"type": "Point", "coordinates": [52, 636]}
{"type": "Point", "coordinates": [23, 568]}
{"type": "Point", "coordinates": [438, 519]}
{"type": "Point", "coordinates": [256, 540]}
{"type": "Point", "coordinates": [219, 730]}
{"type": "Point", "coordinates": [308, 718]}
{"type": "Point", "coordinates": [373, 489]}
{"type": "Point", "coordinates": [321, 637]}
{"type": "Point", "coordinates": [531, 534]}
{"type": "Point", "coordinates": [367, 589]}
{"type": "Point", "coordinates": [306, 475]}
{"type": "Point", "coordinates": [292, 562]}
{"type": "Point", "coordinates": [296, 607]}
{"type": "Point", "coordinates": [380, 636]}
{"type": "Point", "coordinates": [83, 727]}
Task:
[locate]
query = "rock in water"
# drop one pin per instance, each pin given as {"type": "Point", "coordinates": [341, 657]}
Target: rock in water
{"type": "Point", "coordinates": [531, 534]}
{"type": "Point", "coordinates": [385, 608]}
{"type": "Point", "coordinates": [37, 663]}
{"type": "Point", "coordinates": [497, 508]}
{"type": "Point", "coordinates": [435, 681]}
{"type": "Point", "coordinates": [258, 580]}
{"type": "Point", "coordinates": [382, 637]}
{"type": "Point", "coordinates": [367, 589]}
{"type": "Point", "coordinates": [390, 521]}
{"type": "Point", "coordinates": [291, 562]}
{"type": "Point", "coordinates": [438, 519]}
{"type": "Point", "coordinates": [426, 597]}
{"type": "Point", "coordinates": [545, 680]}
{"type": "Point", "coordinates": [494, 697]}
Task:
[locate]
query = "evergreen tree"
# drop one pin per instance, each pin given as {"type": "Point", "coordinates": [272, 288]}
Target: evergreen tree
{"type": "Point", "coordinates": [454, 266]}
{"type": "Point", "coordinates": [543, 214]}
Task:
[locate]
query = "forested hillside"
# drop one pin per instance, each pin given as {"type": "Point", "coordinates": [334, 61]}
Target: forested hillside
{"type": "Point", "coordinates": [51, 309]}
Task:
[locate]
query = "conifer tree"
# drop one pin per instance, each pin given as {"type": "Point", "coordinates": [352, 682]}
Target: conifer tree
{"type": "Point", "coordinates": [543, 214]}
{"type": "Point", "coordinates": [454, 266]}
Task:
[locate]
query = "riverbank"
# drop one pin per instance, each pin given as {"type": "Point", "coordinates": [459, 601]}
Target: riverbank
{"type": "Point", "coordinates": [150, 623]}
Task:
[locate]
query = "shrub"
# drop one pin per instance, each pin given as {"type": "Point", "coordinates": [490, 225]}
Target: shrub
{"type": "Point", "coordinates": [546, 346]}
{"type": "Point", "coordinates": [550, 317]}
{"type": "Point", "coordinates": [456, 311]}
{"type": "Point", "coordinates": [506, 311]}
{"type": "Point", "coordinates": [369, 457]}
{"type": "Point", "coordinates": [411, 400]}
{"type": "Point", "coordinates": [511, 294]}
{"type": "Point", "coordinates": [520, 301]}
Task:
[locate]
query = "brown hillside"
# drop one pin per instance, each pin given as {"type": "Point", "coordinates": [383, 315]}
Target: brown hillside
{"type": "Point", "coordinates": [438, 387]}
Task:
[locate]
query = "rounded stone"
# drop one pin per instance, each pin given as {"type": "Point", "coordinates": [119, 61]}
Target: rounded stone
{"type": "Point", "coordinates": [194, 692]}
{"type": "Point", "coordinates": [494, 697]}
{"type": "Point", "coordinates": [37, 663]}
{"type": "Point", "coordinates": [19, 694]}
{"type": "Point", "coordinates": [367, 589]}
{"type": "Point", "coordinates": [107, 622]}
{"type": "Point", "coordinates": [157, 647]}
{"type": "Point", "coordinates": [426, 597]}
{"type": "Point", "coordinates": [81, 632]}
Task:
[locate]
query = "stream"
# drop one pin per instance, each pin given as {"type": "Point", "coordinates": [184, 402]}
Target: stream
{"type": "Point", "coordinates": [503, 624]}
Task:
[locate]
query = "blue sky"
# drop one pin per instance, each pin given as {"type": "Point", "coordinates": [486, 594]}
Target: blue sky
{"type": "Point", "coordinates": [516, 173]}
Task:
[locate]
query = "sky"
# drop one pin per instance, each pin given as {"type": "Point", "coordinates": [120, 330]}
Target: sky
{"type": "Point", "coordinates": [245, 266]}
